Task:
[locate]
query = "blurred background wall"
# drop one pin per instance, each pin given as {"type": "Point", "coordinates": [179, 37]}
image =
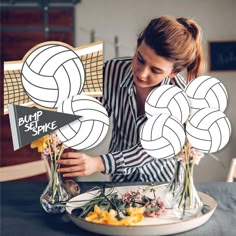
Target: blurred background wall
{"type": "Point", "coordinates": [118, 24]}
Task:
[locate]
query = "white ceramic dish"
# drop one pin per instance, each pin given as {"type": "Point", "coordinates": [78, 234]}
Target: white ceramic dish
{"type": "Point", "coordinates": [163, 225]}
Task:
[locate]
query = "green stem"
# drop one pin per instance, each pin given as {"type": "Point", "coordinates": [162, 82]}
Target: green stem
{"type": "Point", "coordinates": [191, 180]}
{"type": "Point", "coordinates": [56, 156]}
{"type": "Point", "coordinates": [54, 181]}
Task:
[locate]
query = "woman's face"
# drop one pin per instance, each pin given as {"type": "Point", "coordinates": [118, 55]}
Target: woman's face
{"type": "Point", "coordinates": [148, 68]}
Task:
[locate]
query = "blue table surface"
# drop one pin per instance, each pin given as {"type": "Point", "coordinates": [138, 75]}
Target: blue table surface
{"type": "Point", "coordinates": [22, 214]}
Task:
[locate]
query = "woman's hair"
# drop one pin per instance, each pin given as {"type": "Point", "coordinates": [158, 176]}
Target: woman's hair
{"type": "Point", "coordinates": [179, 41]}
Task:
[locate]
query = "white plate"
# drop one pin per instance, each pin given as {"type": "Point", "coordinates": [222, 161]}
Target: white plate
{"type": "Point", "coordinates": [162, 225]}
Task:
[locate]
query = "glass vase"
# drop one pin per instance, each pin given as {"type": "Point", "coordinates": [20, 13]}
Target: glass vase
{"type": "Point", "coordinates": [181, 195]}
{"type": "Point", "coordinates": [54, 193]}
{"type": "Point", "coordinates": [175, 186]}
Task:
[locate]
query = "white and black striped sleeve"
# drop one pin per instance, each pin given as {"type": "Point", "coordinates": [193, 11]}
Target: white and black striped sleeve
{"type": "Point", "coordinates": [122, 162]}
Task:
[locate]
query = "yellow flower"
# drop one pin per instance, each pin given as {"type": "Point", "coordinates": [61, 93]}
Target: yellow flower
{"type": "Point", "coordinates": [40, 143]}
{"type": "Point", "coordinates": [105, 217]}
{"type": "Point", "coordinates": [136, 216]}
{"type": "Point", "coordinates": [132, 220]}
{"type": "Point", "coordinates": [135, 210]}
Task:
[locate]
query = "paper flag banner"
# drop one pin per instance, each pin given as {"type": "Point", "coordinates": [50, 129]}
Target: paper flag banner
{"type": "Point", "coordinates": [29, 124]}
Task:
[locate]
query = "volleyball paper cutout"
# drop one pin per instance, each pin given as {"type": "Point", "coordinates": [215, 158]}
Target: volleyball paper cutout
{"type": "Point", "coordinates": [206, 91]}
{"type": "Point", "coordinates": [52, 73]}
{"type": "Point", "coordinates": [208, 130]}
{"type": "Point", "coordinates": [168, 99]}
{"type": "Point", "coordinates": [162, 136]}
{"type": "Point", "coordinates": [88, 131]}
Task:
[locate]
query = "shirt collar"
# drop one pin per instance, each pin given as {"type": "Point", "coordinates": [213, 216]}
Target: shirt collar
{"type": "Point", "coordinates": [128, 79]}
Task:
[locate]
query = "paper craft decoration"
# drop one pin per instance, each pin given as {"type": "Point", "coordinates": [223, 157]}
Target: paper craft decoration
{"type": "Point", "coordinates": [206, 91]}
{"type": "Point", "coordinates": [208, 130]}
{"type": "Point", "coordinates": [28, 124]}
{"type": "Point", "coordinates": [88, 131]}
{"type": "Point", "coordinates": [51, 73]}
{"type": "Point", "coordinates": [168, 99]}
{"type": "Point", "coordinates": [162, 136]}
{"type": "Point", "coordinates": [91, 56]}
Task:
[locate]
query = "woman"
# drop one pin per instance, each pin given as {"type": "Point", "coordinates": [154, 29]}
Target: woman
{"type": "Point", "coordinates": [166, 47]}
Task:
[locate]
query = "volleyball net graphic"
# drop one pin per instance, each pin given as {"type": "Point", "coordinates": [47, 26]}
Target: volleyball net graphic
{"type": "Point", "coordinates": [91, 56]}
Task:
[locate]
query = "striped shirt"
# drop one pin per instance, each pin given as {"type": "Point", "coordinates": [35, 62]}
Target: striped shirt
{"type": "Point", "coordinates": [127, 160]}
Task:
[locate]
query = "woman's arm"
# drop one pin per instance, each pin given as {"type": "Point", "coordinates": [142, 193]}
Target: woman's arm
{"type": "Point", "coordinates": [80, 164]}
{"type": "Point", "coordinates": [120, 164]}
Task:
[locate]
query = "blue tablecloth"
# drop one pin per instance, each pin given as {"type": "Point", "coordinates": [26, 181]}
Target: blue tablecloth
{"type": "Point", "coordinates": [22, 214]}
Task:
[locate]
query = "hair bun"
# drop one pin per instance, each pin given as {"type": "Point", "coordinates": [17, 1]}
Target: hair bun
{"type": "Point", "coordinates": [189, 25]}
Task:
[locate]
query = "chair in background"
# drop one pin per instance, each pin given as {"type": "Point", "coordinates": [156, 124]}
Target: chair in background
{"type": "Point", "coordinates": [25, 170]}
{"type": "Point", "coordinates": [232, 171]}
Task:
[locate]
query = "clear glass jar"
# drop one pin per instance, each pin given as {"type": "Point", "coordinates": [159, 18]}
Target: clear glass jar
{"type": "Point", "coordinates": [181, 195]}
{"type": "Point", "coordinates": [54, 193]}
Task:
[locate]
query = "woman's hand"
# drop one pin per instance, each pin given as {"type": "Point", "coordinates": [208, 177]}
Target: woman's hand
{"type": "Point", "coordinates": [79, 164]}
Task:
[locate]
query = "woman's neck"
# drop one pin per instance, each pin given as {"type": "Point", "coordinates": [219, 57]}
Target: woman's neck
{"type": "Point", "coordinates": [141, 95]}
